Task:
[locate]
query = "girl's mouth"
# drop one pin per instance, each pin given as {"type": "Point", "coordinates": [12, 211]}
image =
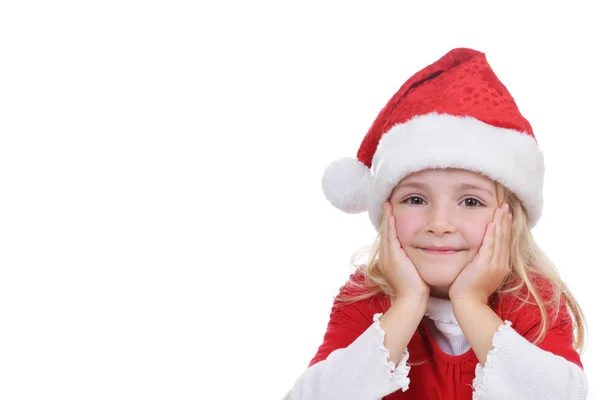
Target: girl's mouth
{"type": "Point", "coordinates": [441, 252]}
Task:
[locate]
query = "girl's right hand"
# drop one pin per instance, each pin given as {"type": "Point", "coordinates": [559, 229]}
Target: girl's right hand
{"type": "Point", "coordinates": [398, 269]}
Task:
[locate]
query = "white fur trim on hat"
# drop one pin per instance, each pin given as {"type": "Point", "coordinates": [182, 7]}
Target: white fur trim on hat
{"type": "Point", "coordinates": [444, 141]}
{"type": "Point", "coordinates": [346, 184]}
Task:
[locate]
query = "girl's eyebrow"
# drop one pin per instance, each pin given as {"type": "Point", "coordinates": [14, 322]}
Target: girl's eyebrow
{"type": "Point", "coordinates": [416, 185]}
{"type": "Point", "coordinates": [467, 186]}
{"type": "Point", "coordinates": [462, 186]}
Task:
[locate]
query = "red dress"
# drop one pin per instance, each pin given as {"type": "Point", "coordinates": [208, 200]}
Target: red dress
{"type": "Point", "coordinates": [438, 375]}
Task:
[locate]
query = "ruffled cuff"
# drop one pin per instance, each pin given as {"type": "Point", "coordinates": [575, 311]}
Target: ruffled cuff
{"type": "Point", "coordinates": [400, 372]}
{"type": "Point", "coordinates": [517, 369]}
{"type": "Point", "coordinates": [481, 373]}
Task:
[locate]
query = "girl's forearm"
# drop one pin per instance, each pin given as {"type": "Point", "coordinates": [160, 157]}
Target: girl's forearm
{"type": "Point", "coordinates": [400, 323]}
{"type": "Point", "coordinates": [478, 323]}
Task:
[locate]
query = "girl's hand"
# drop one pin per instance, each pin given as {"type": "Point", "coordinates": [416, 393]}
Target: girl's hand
{"type": "Point", "coordinates": [490, 266]}
{"type": "Point", "coordinates": [395, 265]}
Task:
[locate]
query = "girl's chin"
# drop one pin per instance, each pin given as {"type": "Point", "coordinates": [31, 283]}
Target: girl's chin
{"type": "Point", "coordinates": [440, 281]}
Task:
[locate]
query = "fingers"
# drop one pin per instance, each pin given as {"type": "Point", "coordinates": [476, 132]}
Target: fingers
{"type": "Point", "coordinates": [389, 237]}
{"type": "Point", "coordinates": [392, 233]}
{"type": "Point", "coordinates": [507, 235]}
{"type": "Point", "coordinates": [502, 220]}
{"type": "Point", "coordinates": [498, 222]}
{"type": "Point", "coordinates": [384, 225]}
{"type": "Point", "coordinates": [486, 251]}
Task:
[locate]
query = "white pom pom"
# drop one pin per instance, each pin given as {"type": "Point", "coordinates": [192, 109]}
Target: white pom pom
{"type": "Point", "coordinates": [346, 184]}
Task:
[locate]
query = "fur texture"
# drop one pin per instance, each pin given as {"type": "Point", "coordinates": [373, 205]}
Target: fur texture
{"type": "Point", "coordinates": [445, 141]}
{"type": "Point", "coordinates": [346, 184]}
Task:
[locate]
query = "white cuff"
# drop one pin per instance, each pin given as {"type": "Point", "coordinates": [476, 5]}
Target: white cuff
{"type": "Point", "coordinates": [362, 370]}
{"type": "Point", "coordinates": [517, 369]}
{"type": "Point", "coordinates": [401, 371]}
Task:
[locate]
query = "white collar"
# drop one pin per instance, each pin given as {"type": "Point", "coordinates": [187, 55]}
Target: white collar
{"type": "Point", "coordinates": [445, 328]}
{"type": "Point", "coordinates": [440, 310]}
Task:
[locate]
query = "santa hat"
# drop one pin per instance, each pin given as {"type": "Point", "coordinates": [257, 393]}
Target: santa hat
{"type": "Point", "coordinates": [454, 113]}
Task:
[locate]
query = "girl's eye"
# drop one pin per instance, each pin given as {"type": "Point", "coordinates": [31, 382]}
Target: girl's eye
{"type": "Point", "coordinates": [472, 202]}
{"type": "Point", "coordinates": [414, 200]}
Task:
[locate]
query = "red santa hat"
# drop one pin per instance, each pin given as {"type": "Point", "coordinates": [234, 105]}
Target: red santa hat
{"type": "Point", "coordinates": [454, 113]}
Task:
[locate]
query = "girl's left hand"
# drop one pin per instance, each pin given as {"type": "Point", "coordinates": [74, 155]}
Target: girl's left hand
{"type": "Point", "coordinates": [482, 276]}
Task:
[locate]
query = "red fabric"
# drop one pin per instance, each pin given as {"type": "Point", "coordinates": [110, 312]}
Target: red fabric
{"type": "Point", "coordinates": [442, 376]}
{"type": "Point", "coordinates": [461, 83]}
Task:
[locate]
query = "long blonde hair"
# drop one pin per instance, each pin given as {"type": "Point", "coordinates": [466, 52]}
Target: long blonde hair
{"type": "Point", "coordinates": [527, 262]}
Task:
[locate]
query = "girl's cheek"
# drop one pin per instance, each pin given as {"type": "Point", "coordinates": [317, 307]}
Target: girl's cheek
{"type": "Point", "coordinates": [405, 224]}
{"type": "Point", "coordinates": [476, 230]}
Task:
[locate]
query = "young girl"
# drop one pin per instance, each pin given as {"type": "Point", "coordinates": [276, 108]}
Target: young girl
{"type": "Point", "coordinates": [457, 301]}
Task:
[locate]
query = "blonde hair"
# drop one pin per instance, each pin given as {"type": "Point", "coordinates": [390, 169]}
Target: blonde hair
{"type": "Point", "coordinates": [527, 262]}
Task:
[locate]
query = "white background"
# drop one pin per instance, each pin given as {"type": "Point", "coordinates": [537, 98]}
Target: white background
{"type": "Point", "coordinates": [163, 233]}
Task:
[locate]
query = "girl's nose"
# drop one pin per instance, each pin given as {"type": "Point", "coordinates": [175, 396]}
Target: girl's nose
{"type": "Point", "coordinates": [439, 222]}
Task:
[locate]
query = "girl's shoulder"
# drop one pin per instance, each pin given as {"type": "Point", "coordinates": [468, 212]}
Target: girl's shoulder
{"type": "Point", "coordinates": [357, 292]}
{"type": "Point", "coordinates": [516, 294]}
{"type": "Point", "coordinates": [520, 307]}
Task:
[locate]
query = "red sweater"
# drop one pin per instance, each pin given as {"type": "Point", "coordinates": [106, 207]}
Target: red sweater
{"type": "Point", "coordinates": [443, 376]}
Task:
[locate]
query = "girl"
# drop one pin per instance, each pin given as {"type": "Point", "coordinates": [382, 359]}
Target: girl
{"type": "Point", "coordinates": [457, 301]}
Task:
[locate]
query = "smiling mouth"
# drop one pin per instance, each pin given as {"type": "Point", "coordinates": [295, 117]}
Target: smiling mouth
{"type": "Point", "coordinates": [440, 252]}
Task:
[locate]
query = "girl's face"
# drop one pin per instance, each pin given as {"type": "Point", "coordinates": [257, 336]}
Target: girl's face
{"type": "Point", "coordinates": [441, 216]}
